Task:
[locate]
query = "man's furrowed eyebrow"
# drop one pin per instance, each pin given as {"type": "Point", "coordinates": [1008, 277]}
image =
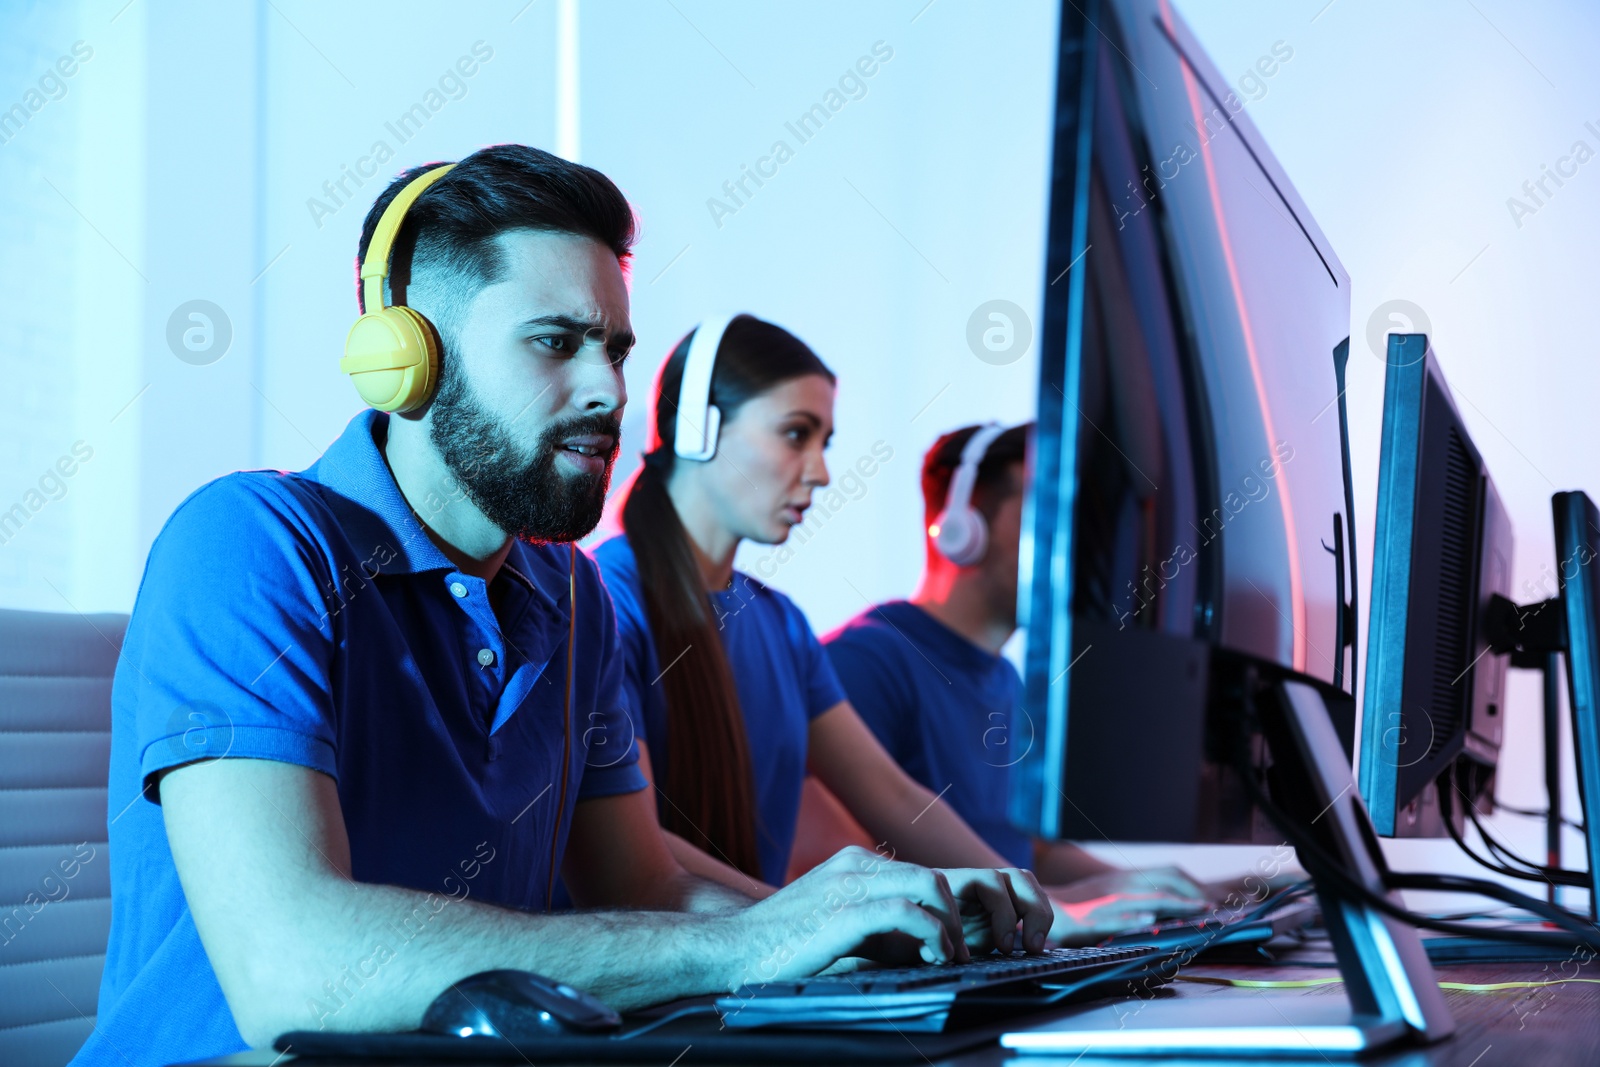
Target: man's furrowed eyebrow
{"type": "Point", "coordinates": [567, 322]}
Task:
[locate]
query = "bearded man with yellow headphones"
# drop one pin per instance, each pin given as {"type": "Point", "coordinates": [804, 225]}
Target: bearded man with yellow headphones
{"type": "Point", "coordinates": [366, 711]}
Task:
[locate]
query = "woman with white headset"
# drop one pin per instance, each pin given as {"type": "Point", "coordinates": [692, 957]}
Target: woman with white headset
{"type": "Point", "coordinates": [733, 697]}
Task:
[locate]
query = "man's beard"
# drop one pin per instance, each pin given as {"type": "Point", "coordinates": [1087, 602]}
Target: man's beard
{"type": "Point", "coordinates": [526, 496]}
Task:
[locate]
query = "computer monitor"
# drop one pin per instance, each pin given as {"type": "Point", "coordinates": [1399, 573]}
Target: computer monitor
{"type": "Point", "coordinates": [1537, 636]}
{"type": "Point", "coordinates": [1187, 518]}
{"type": "Point", "coordinates": [1577, 526]}
{"type": "Point", "coordinates": [1187, 536]}
{"type": "Point", "coordinates": [1434, 704]}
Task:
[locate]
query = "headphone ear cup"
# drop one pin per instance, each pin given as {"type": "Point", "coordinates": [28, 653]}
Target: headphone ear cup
{"type": "Point", "coordinates": [703, 454]}
{"type": "Point", "coordinates": [392, 356]}
{"type": "Point", "coordinates": [713, 428]}
{"type": "Point", "coordinates": [963, 537]}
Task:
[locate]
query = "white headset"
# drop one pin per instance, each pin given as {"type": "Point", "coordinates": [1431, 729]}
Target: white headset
{"type": "Point", "coordinates": [959, 532]}
{"type": "Point", "coordinates": [698, 418]}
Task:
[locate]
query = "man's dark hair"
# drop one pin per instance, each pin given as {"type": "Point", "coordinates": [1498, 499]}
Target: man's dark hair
{"type": "Point", "coordinates": [994, 482]}
{"type": "Point", "coordinates": [447, 242]}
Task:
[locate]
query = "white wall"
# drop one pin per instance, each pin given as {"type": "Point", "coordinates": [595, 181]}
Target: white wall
{"type": "Point", "coordinates": [1406, 128]}
{"type": "Point", "coordinates": [179, 164]}
{"type": "Point", "coordinates": [73, 285]}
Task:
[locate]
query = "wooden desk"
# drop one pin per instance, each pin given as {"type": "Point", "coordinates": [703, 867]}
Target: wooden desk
{"type": "Point", "coordinates": [1548, 1026]}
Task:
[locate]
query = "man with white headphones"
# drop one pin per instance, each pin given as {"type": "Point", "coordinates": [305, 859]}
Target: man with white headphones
{"type": "Point", "coordinates": [927, 676]}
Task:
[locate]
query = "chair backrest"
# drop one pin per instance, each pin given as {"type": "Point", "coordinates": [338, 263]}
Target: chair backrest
{"type": "Point", "coordinates": [55, 871]}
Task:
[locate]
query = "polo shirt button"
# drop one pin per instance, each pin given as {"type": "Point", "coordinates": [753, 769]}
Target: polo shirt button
{"type": "Point", "coordinates": [458, 589]}
{"type": "Point", "coordinates": [486, 657]}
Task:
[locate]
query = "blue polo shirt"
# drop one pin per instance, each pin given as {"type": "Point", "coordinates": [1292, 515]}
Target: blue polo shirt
{"type": "Point", "coordinates": [308, 618]}
{"type": "Point", "coordinates": [782, 676]}
{"type": "Point", "coordinates": [949, 712]}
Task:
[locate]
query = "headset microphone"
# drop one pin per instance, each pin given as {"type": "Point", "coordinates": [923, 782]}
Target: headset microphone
{"type": "Point", "coordinates": [391, 353]}
{"type": "Point", "coordinates": [960, 533]}
{"type": "Point", "coordinates": [695, 434]}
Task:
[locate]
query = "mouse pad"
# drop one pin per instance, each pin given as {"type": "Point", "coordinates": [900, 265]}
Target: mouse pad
{"type": "Point", "coordinates": [699, 1039]}
{"type": "Point", "coordinates": [691, 1032]}
{"type": "Point", "coordinates": [711, 1046]}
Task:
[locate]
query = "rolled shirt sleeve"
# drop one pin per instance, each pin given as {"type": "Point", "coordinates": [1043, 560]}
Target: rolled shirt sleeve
{"type": "Point", "coordinates": [237, 660]}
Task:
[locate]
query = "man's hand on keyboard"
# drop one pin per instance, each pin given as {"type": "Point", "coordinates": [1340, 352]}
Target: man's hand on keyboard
{"type": "Point", "coordinates": [993, 902]}
{"type": "Point", "coordinates": [862, 904]}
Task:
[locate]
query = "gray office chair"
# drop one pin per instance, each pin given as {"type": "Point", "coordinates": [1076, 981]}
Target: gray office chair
{"type": "Point", "coordinates": [55, 870]}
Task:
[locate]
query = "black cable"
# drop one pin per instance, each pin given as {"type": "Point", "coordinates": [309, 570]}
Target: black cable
{"type": "Point", "coordinates": [1171, 953]}
{"type": "Point", "coordinates": [1586, 931]}
{"type": "Point", "coordinates": [1530, 873]}
{"type": "Point", "coordinates": [1167, 955]}
{"type": "Point", "coordinates": [1482, 861]}
{"type": "Point", "coordinates": [1509, 863]}
{"type": "Point", "coordinates": [1503, 854]}
{"type": "Point", "coordinates": [1326, 869]}
{"type": "Point", "coordinates": [670, 1017]}
{"type": "Point", "coordinates": [1502, 861]}
{"type": "Point", "coordinates": [1559, 875]}
{"type": "Point", "coordinates": [1341, 357]}
{"type": "Point", "coordinates": [1447, 816]}
{"type": "Point", "coordinates": [1532, 814]}
{"type": "Point", "coordinates": [1271, 904]}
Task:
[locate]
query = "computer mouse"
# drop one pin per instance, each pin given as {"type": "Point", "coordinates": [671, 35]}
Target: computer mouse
{"type": "Point", "coordinates": [516, 1005]}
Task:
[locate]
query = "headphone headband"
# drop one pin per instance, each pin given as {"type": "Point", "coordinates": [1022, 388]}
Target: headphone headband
{"type": "Point", "coordinates": [375, 266]}
{"type": "Point", "coordinates": [960, 533]}
{"type": "Point", "coordinates": [391, 353]}
{"type": "Point", "coordinates": [695, 434]}
{"type": "Point", "coordinates": [966, 476]}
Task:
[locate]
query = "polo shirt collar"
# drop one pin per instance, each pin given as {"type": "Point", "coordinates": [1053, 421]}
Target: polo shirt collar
{"type": "Point", "coordinates": [359, 487]}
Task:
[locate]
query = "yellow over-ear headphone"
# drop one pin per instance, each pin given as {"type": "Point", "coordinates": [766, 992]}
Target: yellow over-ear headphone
{"type": "Point", "coordinates": [391, 353]}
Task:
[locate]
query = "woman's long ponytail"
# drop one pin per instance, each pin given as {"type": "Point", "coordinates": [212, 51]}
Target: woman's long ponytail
{"type": "Point", "coordinates": [706, 786]}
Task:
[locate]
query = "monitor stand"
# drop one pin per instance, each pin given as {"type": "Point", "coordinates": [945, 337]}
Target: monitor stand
{"type": "Point", "coordinates": [1538, 636]}
{"type": "Point", "coordinates": [1391, 995]}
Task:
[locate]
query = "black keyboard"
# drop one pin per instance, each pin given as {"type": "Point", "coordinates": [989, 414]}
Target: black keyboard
{"type": "Point", "coordinates": [1210, 932]}
{"type": "Point", "coordinates": [989, 970]}
{"type": "Point", "coordinates": [921, 998]}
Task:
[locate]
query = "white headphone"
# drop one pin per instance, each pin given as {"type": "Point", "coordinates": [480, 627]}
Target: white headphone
{"type": "Point", "coordinates": [698, 418]}
{"type": "Point", "coordinates": [960, 533]}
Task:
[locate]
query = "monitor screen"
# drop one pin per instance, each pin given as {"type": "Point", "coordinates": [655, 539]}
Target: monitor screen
{"type": "Point", "coordinates": [1187, 471]}
{"type": "Point", "coordinates": [1442, 549]}
{"type": "Point", "coordinates": [1577, 525]}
